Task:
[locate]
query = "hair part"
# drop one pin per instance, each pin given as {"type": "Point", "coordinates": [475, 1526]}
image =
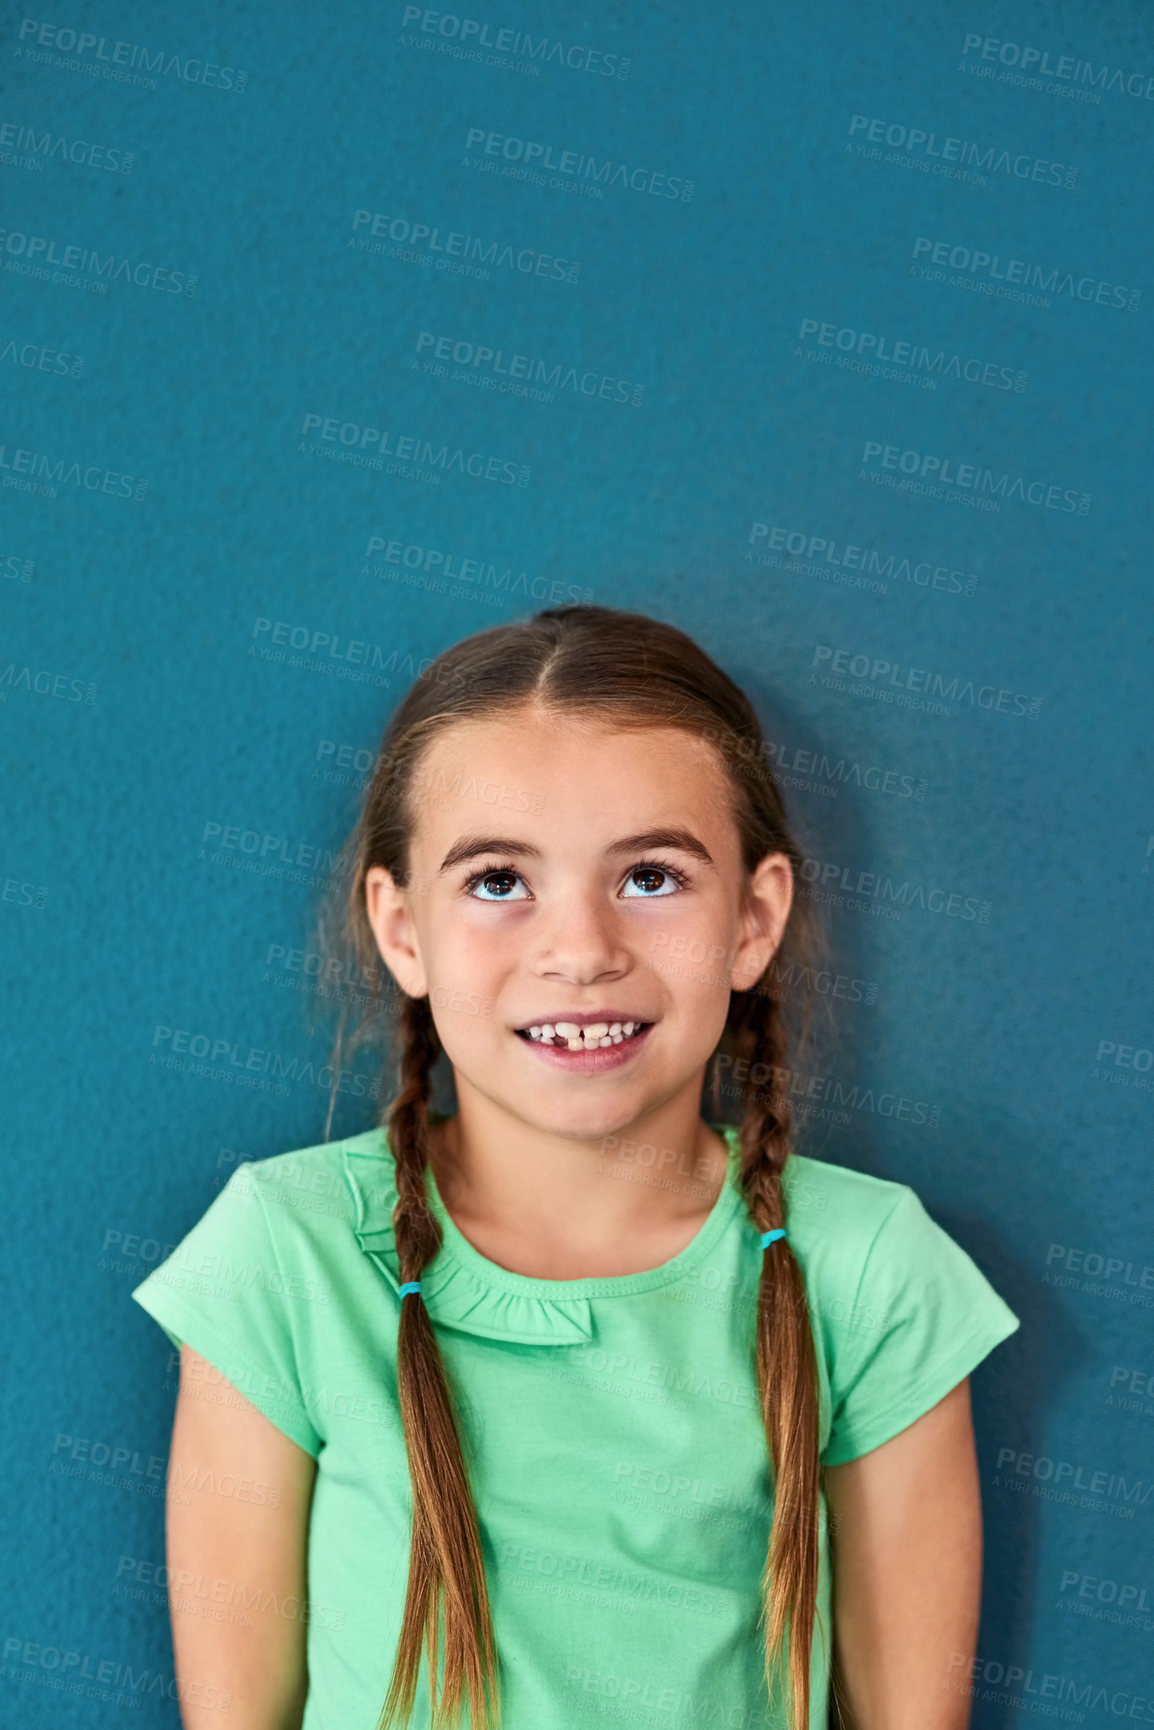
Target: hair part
{"type": "Point", "coordinates": [631, 671]}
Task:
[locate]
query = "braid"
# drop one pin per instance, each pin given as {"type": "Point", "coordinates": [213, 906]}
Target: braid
{"type": "Point", "coordinates": [417, 1231]}
{"type": "Point", "coordinates": [786, 1364]}
{"type": "Point", "coordinates": [446, 1563]}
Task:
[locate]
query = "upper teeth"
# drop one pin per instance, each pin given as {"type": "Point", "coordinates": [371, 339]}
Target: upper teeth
{"type": "Point", "coordinates": [598, 1033]}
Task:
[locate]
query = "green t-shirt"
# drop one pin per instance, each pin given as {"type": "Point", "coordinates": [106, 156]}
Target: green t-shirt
{"type": "Point", "coordinates": [611, 1426]}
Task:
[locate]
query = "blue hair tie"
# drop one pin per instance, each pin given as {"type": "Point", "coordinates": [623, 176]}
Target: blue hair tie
{"type": "Point", "coordinates": [767, 1237]}
{"type": "Point", "coordinates": [410, 1285]}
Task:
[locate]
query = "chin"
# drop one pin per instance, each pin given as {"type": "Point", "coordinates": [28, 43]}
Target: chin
{"type": "Point", "coordinates": [586, 1120]}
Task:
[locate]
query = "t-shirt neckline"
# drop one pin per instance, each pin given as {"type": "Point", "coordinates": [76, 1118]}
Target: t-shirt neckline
{"type": "Point", "coordinates": [455, 1246]}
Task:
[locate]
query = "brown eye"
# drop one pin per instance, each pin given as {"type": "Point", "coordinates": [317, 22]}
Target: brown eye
{"type": "Point", "coordinates": [649, 881]}
{"type": "Point", "coordinates": [496, 886]}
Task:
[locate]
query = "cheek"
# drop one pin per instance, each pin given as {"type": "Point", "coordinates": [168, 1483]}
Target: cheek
{"type": "Point", "coordinates": [694, 972]}
{"type": "Point", "coordinates": [464, 951]}
{"type": "Point", "coordinates": [695, 936]}
{"type": "Point", "coordinates": [463, 999]}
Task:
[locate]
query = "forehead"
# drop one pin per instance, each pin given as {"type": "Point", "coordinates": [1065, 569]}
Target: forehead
{"type": "Point", "coordinates": [568, 769]}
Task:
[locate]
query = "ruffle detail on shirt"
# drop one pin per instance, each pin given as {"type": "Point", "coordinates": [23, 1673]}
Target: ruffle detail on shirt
{"type": "Point", "coordinates": [454, 1295]}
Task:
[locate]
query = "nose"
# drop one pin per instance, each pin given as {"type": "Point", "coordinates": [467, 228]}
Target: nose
{"type": "Point", "coordinates": [581, 944]}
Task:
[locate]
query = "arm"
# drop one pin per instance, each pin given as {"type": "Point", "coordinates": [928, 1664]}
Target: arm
{"type": "Point", "coordinates": [906, 1546]}
{"type": "Point", "coordinates": [239, 1493]}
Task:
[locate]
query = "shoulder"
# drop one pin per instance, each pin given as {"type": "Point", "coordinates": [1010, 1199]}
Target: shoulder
{"type": "Point", "coordinates": [318, 1191]}
{"type": "Point", "coordinates": [901, 1311]}
{"type": "Point", "coordinates": [316, 1167]}
{"type": "Point", "coordinates": [849, 1230]}
{"type": "Point", "coordinates": [841, 1219]}
{"type": "Point", "coordinates": [879, 1268]}
{"type": "Point", "coordinates": [264, 1286]}
{"type": "Point", "coordinates": [834, 1209]}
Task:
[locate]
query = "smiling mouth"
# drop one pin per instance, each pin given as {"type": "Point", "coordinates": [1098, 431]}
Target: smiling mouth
{"type": "Point", "coordinates": [567, 1035]}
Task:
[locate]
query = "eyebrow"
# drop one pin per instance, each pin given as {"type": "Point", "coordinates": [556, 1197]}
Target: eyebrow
{"type": "Point", "coordinates": [469, 846]}
{"type": "Point", "coordinates": [683, 840]}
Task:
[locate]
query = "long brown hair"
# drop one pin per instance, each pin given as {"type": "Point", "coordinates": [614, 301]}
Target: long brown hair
{"type": "Point", "coordinates": [633, 671]}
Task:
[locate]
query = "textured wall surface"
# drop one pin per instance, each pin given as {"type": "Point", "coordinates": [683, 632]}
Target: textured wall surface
{"type": "Point", "coordinates": [330, 335]}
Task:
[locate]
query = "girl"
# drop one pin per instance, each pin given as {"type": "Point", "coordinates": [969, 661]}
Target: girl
{"type": "Point", "coordinates": [575, 1407]}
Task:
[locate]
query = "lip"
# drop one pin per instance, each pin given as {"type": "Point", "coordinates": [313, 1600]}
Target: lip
{"type": "Point", "coordinates": [594, 1062]}
{"type": "Point", "coordinates": [580, 1018]}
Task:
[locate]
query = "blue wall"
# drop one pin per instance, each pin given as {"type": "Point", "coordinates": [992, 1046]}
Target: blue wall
{"type": "Point", "coordinates": [835, 326]}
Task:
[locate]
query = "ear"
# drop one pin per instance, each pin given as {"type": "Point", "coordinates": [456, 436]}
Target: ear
{"type": "Point", "coordinates": [394, 930]}
{"type": "Point", "coordinates": [768, 901]}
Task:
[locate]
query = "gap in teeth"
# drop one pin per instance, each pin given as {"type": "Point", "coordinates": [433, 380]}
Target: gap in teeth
{"type": "Point", "coordinates": [592, 1038]}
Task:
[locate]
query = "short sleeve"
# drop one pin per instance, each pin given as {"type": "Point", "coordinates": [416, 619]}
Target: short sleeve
{"type": "Point", "coordinates": [223, 1292]}
{"type": "Point", "coordinates": [924, 1317]}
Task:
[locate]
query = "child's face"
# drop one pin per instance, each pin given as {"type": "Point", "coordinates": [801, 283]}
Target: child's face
{"type": "Point", "coordinates": [557, 875]}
